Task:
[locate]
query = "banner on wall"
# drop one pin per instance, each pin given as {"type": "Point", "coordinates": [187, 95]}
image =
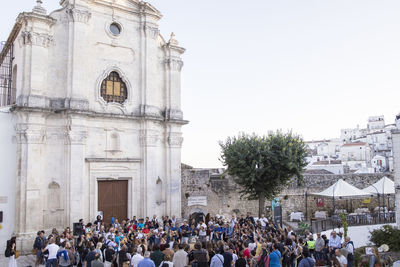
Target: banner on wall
{"type": "Point", "coordinates": [367, 201]}
{"type": "Point", "coordinates": [320, 202]}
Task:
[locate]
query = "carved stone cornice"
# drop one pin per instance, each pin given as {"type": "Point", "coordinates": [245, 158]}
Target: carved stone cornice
{"type": "Point", "coordinates": [151, 31]}
{"type": "Point", "coordinates": [175, 140]}
{"type": "Point", "coordinates": [78, 15]}
{"type": "Point", "coordinates": [77, 137]}
{"type": "Point", "coordinates": [149, 138]}
{"type": "Point", "coordinates": [174, 64]}
{"type": "Point", "coordinates": [34, 38]}
{"type": "Point", "coordinates": [25, 135]}
{"type": "Point", "coordinates": [173, 114]}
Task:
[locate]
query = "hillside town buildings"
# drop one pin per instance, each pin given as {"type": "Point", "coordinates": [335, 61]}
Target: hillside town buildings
{"type": "Point", "coordinates": [357, 150]}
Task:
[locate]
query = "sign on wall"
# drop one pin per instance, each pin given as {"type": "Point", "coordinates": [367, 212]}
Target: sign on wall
{"type": "Point", "coordinates": [199, 200]}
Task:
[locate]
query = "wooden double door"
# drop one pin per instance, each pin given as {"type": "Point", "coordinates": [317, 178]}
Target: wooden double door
{"type": "Point", "coordinates": [113, 199]}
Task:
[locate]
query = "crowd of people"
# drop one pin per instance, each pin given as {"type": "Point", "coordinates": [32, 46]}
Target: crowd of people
{"type": "Point", "coordinates": [242, 241]}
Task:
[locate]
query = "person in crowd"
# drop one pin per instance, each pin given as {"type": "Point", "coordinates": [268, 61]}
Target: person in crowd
{"type": "Point", "coordinates": [38, 245]}
{"type": "Point", "coordinates": [349, 245]}
{"type": "Point", "coordinates": [137, 257]}
{"type": "Point", "coordinates": [157, 256]}
{"type": "Point", "coordinates": [275, 256]}
{"type": "Point", "coordinates": [218, 259]}
{"type": "Point", "coordinates": [334, 242]}
{"type": "Point", "coordinates": [52, 249]}
{"type": "Point", "coordinates": [62, 256]}
{"type": "Point", "coordinates": [375, 260]}
{"type": "Point", "coordinates": [168, 251]}
{"type": "Point", "coordinates": [11, 252]}
{"type": "Point", "coordinates": [146, 262]}
{"type": "Point", "coordinates": [241, 261]}
{"type": "Point", "coordinates": [311, 245]}
{"type": "Point", "coordinates": [91, 256]}
{"type": "Point", "coordinates": [341, 259]}
{"type": "Point", "coordinates": [167, 262]}
{"type": "Point", "coordinates": [306, 261]}
{"type": "Point", "coordinates": [97, 262]}
{"type": "Point", "coordinates": [180, 258]}
{"type": "Point", "coordinates": [200, 256]}
{"type": "Point", "coordinates": [319, 246]}
{"type": "Point", "coordinates": [109, 256]}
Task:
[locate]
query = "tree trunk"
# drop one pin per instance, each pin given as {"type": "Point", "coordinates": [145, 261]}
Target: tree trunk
{"type": "Point", "coordinates": [261, 205]}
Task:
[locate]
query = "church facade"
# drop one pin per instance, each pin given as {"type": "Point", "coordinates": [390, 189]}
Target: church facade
{"type": "Point", "coordinates": [92, 93]}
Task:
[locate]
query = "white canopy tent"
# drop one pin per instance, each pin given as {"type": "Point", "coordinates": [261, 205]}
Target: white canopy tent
{"type": "Point", "coordinates": [383, 186]}
{"type": "Point", "coordinates": [380, 188]}
{"type": "Point", "coordinates": [342, 189]}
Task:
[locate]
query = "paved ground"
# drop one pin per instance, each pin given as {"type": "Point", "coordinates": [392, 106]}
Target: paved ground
{"type": "Point", "coordinates": [22, 261]}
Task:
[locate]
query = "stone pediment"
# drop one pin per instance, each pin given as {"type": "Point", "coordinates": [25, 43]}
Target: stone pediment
{"type": "Point", "coordinates": [133, 5]}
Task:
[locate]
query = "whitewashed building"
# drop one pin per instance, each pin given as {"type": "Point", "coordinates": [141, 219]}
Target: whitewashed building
{"type": "Point", "coordinates": [91, 99]}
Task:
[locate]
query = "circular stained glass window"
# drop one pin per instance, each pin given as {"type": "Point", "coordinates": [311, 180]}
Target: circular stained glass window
{"type": "Point", "coordinates": [115, 29]}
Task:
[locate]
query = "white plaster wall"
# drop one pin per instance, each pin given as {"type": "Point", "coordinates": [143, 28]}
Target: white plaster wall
{"type": "Point", "coordinates": [8, 169]}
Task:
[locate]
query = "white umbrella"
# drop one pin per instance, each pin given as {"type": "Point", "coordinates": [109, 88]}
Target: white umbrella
{"type": "Point", "coordinates": [380, 188]}
{"type": "Point", "coordinates": [342, 189]}
{"type": "Point", "coordinates": [383, 186]}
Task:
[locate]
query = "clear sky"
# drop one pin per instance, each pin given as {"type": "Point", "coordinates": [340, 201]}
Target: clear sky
{"type": "Point", "coordinates": [313, 66]}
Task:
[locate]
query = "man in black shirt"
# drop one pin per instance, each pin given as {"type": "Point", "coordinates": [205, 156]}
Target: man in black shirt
{"type": "Point", "coordinates": [109, 255]}
{"type": "Point", "coordinates": [228, 258]}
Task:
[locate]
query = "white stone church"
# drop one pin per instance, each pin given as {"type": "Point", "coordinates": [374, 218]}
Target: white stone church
{"type": "Point", "coordinates": [90, 117]}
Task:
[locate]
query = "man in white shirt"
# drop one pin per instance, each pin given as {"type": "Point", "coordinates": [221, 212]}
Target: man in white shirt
{"type": "Point", "coordinates": [202, 224]}
{"type": "Point", "coordinates": [52, 249]}
{"type": "Point", "coordinates": [137, 257]}
{"type": "Point", "coordinates": [217, 260]}
{"type": "Point", "coordinates": [263, 221]}
{"type": "Point", "coordinates": [349, 245]}
{"type": "Point", "coordinates": [342, 259]}
{"type": "Point", "coordinates": [334, 242]}
{"type": "Point", "coordinates": [180, 258]}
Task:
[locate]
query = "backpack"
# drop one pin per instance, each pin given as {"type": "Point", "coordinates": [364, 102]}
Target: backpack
{"type": "Point", "coordinates": [264, 261]}
{"type": "Point", "coordinates": [7, 253]}
{"type": "Point", "coordinates": [164, 264]}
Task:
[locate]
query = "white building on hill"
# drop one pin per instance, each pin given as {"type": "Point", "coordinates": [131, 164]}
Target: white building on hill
{"type": "Point", "coordinates": [359, 149]}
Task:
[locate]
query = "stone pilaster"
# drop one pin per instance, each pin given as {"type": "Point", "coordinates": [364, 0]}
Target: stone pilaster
{"type": "Point", "coordinates": [77, 183]}
{"type": "Point", "coordinates": [173, 146]}
{"type": "Point", "coordinates": [396, 163]}
{"type": "Point", "coordinates": [29, 193]}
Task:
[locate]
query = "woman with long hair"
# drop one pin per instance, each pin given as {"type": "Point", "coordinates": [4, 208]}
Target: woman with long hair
{"type": "Point", "coordinates": [11, 252]}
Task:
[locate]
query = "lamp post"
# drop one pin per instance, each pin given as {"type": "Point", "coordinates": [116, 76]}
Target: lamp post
{"type": "Point", "coordinates": [379, 205]}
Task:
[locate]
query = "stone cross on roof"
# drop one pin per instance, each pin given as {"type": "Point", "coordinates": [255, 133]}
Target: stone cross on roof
{"type": "Point", "coordinates": [172, 40]}
{"type": "Point", "coordinates": [38, 9]}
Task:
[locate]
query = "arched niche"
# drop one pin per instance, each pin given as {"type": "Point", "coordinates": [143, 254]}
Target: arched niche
{"type": "Point", "coordinates": [54, 196]}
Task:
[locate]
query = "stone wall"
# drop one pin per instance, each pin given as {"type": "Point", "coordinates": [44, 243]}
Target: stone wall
{"type": "Point", "coordinates": [222, 193]}
{"type": "Point", "coordinates": [223, 196]}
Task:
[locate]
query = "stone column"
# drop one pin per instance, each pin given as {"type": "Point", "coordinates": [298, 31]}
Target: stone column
{"type": "Point", "coordinates": [78, 50]}
{"type": "Point", "coordinates": [173, 200]}
{"type": "Point", "coordinates": [30, 187]}
{"type": "Point", "coordinates": [396, 164]}
{"type": "Point", "coordinates": [150, 198]}
{"type": "Point", "coordinates": [78, 190]}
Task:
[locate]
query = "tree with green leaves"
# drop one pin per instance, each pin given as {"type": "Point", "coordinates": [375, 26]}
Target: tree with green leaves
{"type": "Point", "coordinates": [263, 165]}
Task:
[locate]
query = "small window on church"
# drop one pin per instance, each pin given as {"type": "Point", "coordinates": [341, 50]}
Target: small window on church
{"type": "Point", "coordinates": [115, 29]}
{"type": "Point", "coordinates": [113, 89]}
